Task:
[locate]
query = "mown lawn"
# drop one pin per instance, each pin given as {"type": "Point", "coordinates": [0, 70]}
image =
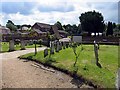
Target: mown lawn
{"type": "Point", "coordinates": [5, 46]}
{"type": "Point", "coordinates": [108, 58]}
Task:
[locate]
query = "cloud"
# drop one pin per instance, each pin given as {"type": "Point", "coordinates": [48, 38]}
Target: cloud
{"type": "Point", "coordinates": [14, 7]}
{"type": "Point", "coordinates": [61, 7]}
{"type": "Point", "coordinates": [108, 9]}
{"type": "Point", "coordinates": [55, 10]}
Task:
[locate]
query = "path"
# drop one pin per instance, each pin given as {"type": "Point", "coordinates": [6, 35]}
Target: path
{"type": "Point", "coordinates": [22, 74]}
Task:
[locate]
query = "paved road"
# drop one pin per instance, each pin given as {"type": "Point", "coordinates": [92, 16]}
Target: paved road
{"type": "Point", "coordinates": [26, 74]}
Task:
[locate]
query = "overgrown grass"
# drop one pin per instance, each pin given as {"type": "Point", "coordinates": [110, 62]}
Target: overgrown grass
{"type": "Point", "coordinates": [108, 58]}
{"type": "Point", "coordinates": [5, 46]}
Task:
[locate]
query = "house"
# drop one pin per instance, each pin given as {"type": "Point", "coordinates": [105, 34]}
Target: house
{"type": "Point", "coordinates": [44, 29]}
{"type": "Point", "coordinates": [63, 33]}
{"type": "Point", "coordinates": [37, 33]}
{"type": "Point", "coordinates": [4, 30]}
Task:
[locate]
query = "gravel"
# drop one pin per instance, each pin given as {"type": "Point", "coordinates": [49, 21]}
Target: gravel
{"type": "Point", "coordinates": [19, 73]}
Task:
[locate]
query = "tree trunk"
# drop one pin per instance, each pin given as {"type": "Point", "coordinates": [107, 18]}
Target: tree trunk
{"type": "Point", "coordinates": [75, 62]}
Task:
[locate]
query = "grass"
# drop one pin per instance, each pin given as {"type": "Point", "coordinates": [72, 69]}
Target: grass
{"type": "Point", "coordinates": [103, 77]}
{"type": "Point", "coordinates": [5, 46]}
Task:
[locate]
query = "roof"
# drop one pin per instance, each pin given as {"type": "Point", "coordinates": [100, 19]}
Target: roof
{"type": "Point", "coordinates": [38, 31]}
{"type": "Point", "coordinates": [62, 31]}
{"type": "Point", "coordinates": [44, 28]}
{"type": "Point", "coordinates": [4, 30]}
{"type": "Point", "coordinates": [43, 25]}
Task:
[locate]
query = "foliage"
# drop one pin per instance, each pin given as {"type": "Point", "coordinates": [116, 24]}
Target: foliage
{"type": "Point", "coordinates": [109, 29]}
{"type": "Point", "coordinates": [68, 28]}
{"type": "Point", "coordinates": [18, 26]}
{"type": "Point", "coordinates": [40, 42]}
{"type": "Point", "coordinates": [74, 47]}
{"type": "Point", "coordinates": [114, 25]}
{"type": "Point", "coordinates": [92, 22]}
{"type": "Point", "coordinates": [72, 29]}
{"type": "Point", "coordinates": [79, 29]}
{"type": "Point", "coordinates": [11, 26]}
{"type": "Point", "coordinates": [59, 25]}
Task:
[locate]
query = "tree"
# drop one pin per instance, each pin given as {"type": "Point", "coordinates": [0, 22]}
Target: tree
{"type": "Point", "coordinates": [25, 25]}
{"type": "Point", "coordinates": [18, 26]}
{"type": "Point", "coordinates": [92, 22]}
{"type": "Point", "coordinates": [109, 29]}
{"type": "Point", "coordinates": [79, 29]}
{"type": "Point", "coordinates": [114, 25]}
{"type": "Point", "coordinates": [71, 29]}
{"type": "Point", "coordinates": [11, 26]}
{"type": "Point", "coordinates": [68, 28]}
{"type": "Point", "coordinates": [77, 54]}
{"type": "Point", "coordinates": [59, 25]}
{"type": "Point", "coordinates": [74, 30]}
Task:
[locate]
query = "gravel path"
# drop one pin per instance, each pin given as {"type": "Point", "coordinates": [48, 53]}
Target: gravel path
{"type": "Point", "coordinates": [26, 74]}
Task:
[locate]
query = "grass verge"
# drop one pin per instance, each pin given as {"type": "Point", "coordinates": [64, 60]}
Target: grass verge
{"type": "Point", "coordinates": [85, 68]}
{"type": "Point", "coordinates": [5, 46]}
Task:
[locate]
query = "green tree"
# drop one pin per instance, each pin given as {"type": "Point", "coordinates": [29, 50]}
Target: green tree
{"type": "Point", "coordinates": [79, 29]}
{"type": "Point", "coordinates": [18, 26]}
{"type": "Point", "coordinates": [11, 26]}
{"type": "Point", "coordinates": [59, 25]}
{"type": "Point", "coordinates": [118, 26]}
{"type": "Point", "coordinates": [109, 29]}
{"type": "Point", "coordinates": [74, 30]}
{"type": "Point", "coordinates": [68, 28]}
{"type": "Point", "coordinates": [77, 54]}
{"type": "Point", "coordinates": [92, 22]}
{"type": "Point", "coordinates": [114, 25]}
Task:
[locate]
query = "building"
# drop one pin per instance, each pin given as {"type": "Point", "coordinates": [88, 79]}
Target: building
{"type": "Point", "coordinates": [4, 30]}
{"type": "Point", "coordinates": [44, 29]}
{"type": "Point", "coordinates": [63, 33]}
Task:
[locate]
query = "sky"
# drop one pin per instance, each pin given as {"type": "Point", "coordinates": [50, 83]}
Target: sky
{"type": "Point", "coordinates": [51, 11]}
